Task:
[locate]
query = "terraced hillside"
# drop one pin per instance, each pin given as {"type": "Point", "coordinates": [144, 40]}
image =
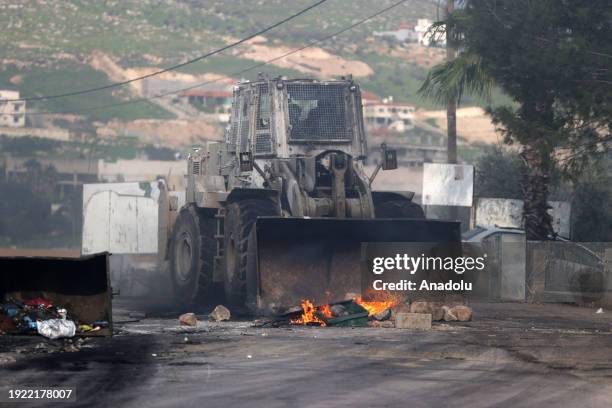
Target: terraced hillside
{"type": "Point", "coordinates": [47, 45]}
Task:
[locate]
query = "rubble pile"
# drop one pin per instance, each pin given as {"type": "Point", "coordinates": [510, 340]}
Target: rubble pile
{"type": "Point", "coordinates": [41, 316]}
{"type": "Point", "coordinates": [399, 314]}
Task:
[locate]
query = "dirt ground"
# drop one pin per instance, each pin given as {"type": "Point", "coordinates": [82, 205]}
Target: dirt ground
{"type": "Point", "coordinates": [473, 124]}
{"type": "Point", "coordinates": [178, 133]}
{"type": "Point", "coordinates": [510, 355]}
{"type": "Point", "coordinates": [104, 62]}
{"type": "Point", "coordinates": [320, 63]}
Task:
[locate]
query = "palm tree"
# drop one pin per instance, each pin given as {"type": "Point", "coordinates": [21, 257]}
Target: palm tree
{"type": "Point", "coordinates": [452, 79]}
{"type": "Point", "coordinates": [467, 74]}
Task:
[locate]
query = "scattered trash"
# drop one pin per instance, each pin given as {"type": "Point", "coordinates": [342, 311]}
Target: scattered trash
{"type": "Point", "coordinates": [378, 314]}
{"type": "Point", "coordinates": [63, 313]}
{"type": "Point", "coordinates": [384, 315]}
{"type": "Point", "coordinates": [23, 315]}
{"type": "Point", "coordinates": [338, 310]}
{"type": "Point", "coordinates": [355, 315]}
{"type": "Point", "coordinates": [219, 314]}
{"type": "Point", "coordinates": [40, 302]}
{"type": "Point", "coordinates": [93, 327]}
{"type": "Point", "coordinates": [84, 328]}
{"type": "Point", "coordinates": [40, 316]}
{"type": "Point", "coordinates": [56, 328]}
{"type": "Point", "coordinates": [249, 356]}
{"type": "Point", "coordinates": [188, 319]}
{"type": "Point", "coordinates": [345, 313]}
{"type": "Point", "coordinates": [153, 355]}
{"type": "Point", "coordinates": [600, 310]}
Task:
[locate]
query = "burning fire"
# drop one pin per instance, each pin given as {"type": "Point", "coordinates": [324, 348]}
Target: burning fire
{"type": "Point", "coordinates": [378, 306]}
{"type": "Point", "coordinates": [310, 312]}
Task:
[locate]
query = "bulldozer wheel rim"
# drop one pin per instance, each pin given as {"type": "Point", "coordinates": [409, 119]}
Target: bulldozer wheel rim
{"type": "Point", "coordinates": [184, 255]}
{"type": "Point", "coordinates": [231, 254]}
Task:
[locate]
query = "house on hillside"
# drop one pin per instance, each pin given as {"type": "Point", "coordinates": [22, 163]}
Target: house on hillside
{"type": "Point", "coordinates": [394, 123]}
{"type": "Point", "coordinates": [418, 33]}
{"type": "Point", "coordinates": [414, 147]}
{"type": "Point", "coordinates": [212, 98]}
{"type": "Point", "coordinates": [386, 114]}
{"type": "Point", "coordinates": [213, 101]}
{"type": "Point", "coordinates": [424, 37]}
{"type": "Point", "coordinates": [369, 98]}
{"type": "Point", "coordinates": [12, 113]}
{"type": "Point", "coordinates": [403, 33]}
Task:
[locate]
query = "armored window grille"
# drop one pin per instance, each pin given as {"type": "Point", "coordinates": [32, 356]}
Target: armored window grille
{"type": "Point", "coordinates": [234, 121]}
{"type": "Point", "coordinates": [244, 122]}
{"type": "Point", "coordinates": [263, 139]}
{"type": "Point", "coordinates": [319, 113]}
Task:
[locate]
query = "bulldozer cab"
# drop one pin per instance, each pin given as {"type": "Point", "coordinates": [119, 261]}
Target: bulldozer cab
{"type": "Point", "coordinates": [299, 117]}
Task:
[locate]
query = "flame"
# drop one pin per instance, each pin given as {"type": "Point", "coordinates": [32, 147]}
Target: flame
{"type": "Point", "coordinates": [312, 313]}
{"type": "Point", "coordinates": [309, 313]}
{"type": "Point", "coordinates": [378, 306]}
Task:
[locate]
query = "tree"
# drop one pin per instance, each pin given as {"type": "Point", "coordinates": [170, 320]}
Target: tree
{"type": "Point", "coordinates": [498, 175]}
{"type": "Point", "coordinates": [592, 202]}
{"type": "Point", "coordinates": [42, 180]}
{"type": "Point", "coordinates": [552, 57]}
{"type": "Point", "coordinates": [23, 213]}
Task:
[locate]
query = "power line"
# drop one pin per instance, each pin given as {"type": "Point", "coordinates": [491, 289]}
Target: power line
{"type": "Point", "coordinates": [237, 73]}
{"type": "Point", "coordinates": [174, 67]}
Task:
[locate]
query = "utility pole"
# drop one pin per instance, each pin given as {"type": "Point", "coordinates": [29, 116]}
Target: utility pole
{"type": "Point", "coordinates": [451, 106]}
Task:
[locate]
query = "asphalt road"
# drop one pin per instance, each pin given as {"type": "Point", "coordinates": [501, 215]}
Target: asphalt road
{"type": "Point", "coordinates": [511, 355]}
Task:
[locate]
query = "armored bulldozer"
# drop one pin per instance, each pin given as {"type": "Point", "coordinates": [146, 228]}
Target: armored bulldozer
{"type": "Point", "coordinates": [278, 210]}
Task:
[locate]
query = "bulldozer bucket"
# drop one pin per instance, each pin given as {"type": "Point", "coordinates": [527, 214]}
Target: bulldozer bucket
{"type": "Point", "coordinates": [320, 258]}
{"type": "Point", "coordinates": [79, 285]}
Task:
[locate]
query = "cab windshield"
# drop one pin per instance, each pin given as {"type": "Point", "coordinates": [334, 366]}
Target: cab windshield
{"type": "Point", "coordinates": [318, 113]}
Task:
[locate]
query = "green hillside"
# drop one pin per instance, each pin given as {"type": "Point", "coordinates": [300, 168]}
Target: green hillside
{"type": "Point", "coordinates": [47, 43]}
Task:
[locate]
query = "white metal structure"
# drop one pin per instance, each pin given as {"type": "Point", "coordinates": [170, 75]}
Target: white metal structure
{"type": "Point", "coordinates": [502, 212]}
{"type": "Point", "coordinates": [448, 184]}
{"type": "Point", "coordinates": [121, 218]}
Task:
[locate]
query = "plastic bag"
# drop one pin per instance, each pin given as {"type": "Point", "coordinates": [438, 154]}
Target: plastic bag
{"type": "Point", "coordinates": [56, 328]}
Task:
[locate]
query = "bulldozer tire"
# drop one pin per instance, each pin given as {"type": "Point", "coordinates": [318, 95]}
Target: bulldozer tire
{"type": "Point", "coordinates": [239, 220]}
{"type": "Point", "coordinates": [399, 209]}
{"type": "Point", "coordinates": [192, 252]}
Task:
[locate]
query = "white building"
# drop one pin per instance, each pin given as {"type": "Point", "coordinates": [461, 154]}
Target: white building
{"type": "Point", "coordinates": [12, 114]}
{"type": "Point", "coordinates": [424, 37]}
{"type": "Point", "coordinates": [403, 33]}
{"type": "Point", "coordinates": [397, 117]}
